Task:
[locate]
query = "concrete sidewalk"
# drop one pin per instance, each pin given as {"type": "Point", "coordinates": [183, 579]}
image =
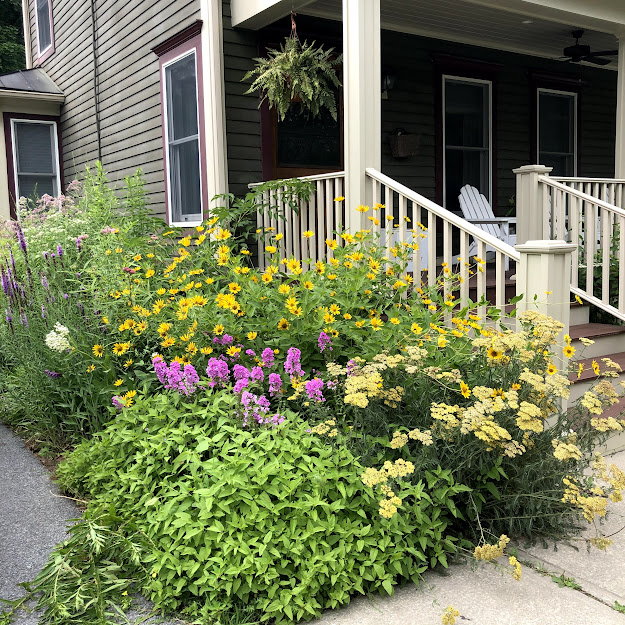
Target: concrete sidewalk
{"type": "Point", "coordinates": [33, 519]}
{"type": "Point", "coordinates": [485, 596]}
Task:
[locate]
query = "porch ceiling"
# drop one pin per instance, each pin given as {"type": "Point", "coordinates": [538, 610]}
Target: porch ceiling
{"type": "Point", "coordinates": [466, 22]}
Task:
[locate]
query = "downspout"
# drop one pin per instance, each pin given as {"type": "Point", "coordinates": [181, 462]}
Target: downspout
{"type": "Point", "coordinates": [28, 53]}
{"type": "Point", "coordinates": [214, 99]}
{"type": "Point", "coordinates": [96, 78]}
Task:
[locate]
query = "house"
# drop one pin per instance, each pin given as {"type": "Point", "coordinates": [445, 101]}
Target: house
{"type": "Point", "coordinates": [476, 88]}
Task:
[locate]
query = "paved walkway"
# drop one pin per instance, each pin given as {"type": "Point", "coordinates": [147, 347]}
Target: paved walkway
{"type": "Point", "coordinates": [33, 519]}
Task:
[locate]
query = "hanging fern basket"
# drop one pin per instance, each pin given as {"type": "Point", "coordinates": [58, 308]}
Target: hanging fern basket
{"type": "Point", "coordinates": [297, 73]}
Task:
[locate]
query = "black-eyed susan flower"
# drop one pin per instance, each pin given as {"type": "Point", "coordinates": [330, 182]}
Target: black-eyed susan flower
{"type": "Point", "coordinates": [118, 382]}
{"type": "Point", "coordinates": [98, 351]}
{"type": "Point", "coordinates": [569, 351]}
{"type": "Point", "coordinates": [283, 324]}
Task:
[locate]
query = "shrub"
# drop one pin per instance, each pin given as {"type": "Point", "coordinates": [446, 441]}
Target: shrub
{"type": "Point", "coordinates": [276, 518]}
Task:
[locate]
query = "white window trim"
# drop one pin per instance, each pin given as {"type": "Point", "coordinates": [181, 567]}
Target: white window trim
{"type": "Point", "coordinates": [575, 113]}
{"type": "Point", "coordinates": [183, 224]}
{"type": "Point", "coordinates": [478, 81]}
{"type": "Point", "coordinates": [55, 147]}
{"type": "Point", "coordinates": [41, 52]}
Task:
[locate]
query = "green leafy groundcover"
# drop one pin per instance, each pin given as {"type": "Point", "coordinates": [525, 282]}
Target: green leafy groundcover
{"type": "Point", "coordinates": [274, 519]}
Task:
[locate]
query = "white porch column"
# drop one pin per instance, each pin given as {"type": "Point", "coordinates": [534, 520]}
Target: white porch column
{"type": "Point", "coordinates": [619, 161]}
{"type": "Point", "coordinates": [529, 202]}
{"type": "Point", "coordinates": [362, 93]}
{"type": "Point", "coordinates": [214, 100]}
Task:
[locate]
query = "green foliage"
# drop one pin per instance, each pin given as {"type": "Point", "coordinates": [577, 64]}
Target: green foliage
{"type": "Point", "coordinates": [619, 607]}
{"type": "Point", "coordinates": [275, 519]}
{"type": "Point", "coordinates": [568, 582]}
{"type": "Point", "coordinates": [11, 37]}
{"type": "Point", "coordinates": [297, 72]}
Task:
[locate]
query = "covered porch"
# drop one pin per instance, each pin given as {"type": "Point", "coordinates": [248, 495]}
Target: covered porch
{"type": "Point", "coordinates": [481, 90]}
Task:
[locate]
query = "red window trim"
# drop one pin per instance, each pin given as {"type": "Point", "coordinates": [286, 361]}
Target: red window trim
{"type": "Point", "coordinates": [50, 51]}
{"type": "Point", "coordinates": [463, 68]}
{"type": "Point", "coordinates": [8, 143]}
{"type": "Point", "coordinates": [185, 41]}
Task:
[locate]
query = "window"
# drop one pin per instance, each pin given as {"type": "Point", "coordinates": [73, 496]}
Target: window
{"type": "Point", "coordinates": [467, 137]}
{"type": "Point", "coordinates": [43, 17]}
{"type": "Point", "coordinates": [182, 140]}
{"type": "Point", "coordinates": [557, 131]}
{"type": "Point", "coordinates": [35, 158]}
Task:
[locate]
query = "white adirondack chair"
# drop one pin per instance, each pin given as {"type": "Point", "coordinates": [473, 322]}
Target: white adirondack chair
{"type": "Point", "coordinates": [476, 210]}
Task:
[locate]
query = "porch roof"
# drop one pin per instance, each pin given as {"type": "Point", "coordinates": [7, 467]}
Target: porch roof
{"type": "Point", "coordinates": [537, 30]}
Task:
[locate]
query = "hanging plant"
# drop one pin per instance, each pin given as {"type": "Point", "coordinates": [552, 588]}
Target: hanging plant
{"type": "Point", "coordinates": [297, 72]}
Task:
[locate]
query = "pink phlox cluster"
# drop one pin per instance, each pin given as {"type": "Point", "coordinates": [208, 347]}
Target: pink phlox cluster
{"type": "Point", "coordinates": [275, 384]}
{"type": "Point", "coordinates": [256, 408]}
{"type": "Point", "coordinates": [184, 380]}
{"type": "Point", "coordinates": [325, 342]}
{"type": "Point", "coordinates": [314, 388]}
{"type": "Point", "coordinates": [293, 365]}
{"type": "Point", "coordinates": [268, 357]}
{"type": "Point", "coordinates": [107, 230]}
{"type": "Point", "coordinates": [218, 372]}
{"type": "Point", "coordinates": [118, 402]}
{"type": "Point", "coordinates": [351, 367]}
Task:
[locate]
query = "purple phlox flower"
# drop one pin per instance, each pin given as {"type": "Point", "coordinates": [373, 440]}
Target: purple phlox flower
{"type": "Point", "coordinates": [52, 374]}
{"type": "Point", "coordinates": [129, 270]}
{"type": "Point", "coordinates": [226, 339]}
{"type": "Point", "coordinates": [275, 384]}
{"type": "Point", "coordinates": [44, 282]}
{"type": "Point", "coordinates": [217, 340]}
{"type": "Point", "coordinates": [118, 402]}
{"type": "Point", "coordinates": [324, 342]}
{"type": "Point", "coordinates": [314, 388]}
{"type": "Point", "coordinates": [331, 384]}
{"type": "Point", "coordinates": [24, 319]}
{"type": "Point", "coordinates": [59, 251]}
{"type": "Point", "coordinates": [66, 295]}
{"type": "Point", "coordinates": [175, 377]}
{"type": "Point", "coordinates": [257, 374]}
{"type": "Point", "coordinates": [268, 357]}
{"type": "Point", "coordinates": [351, 367]}
{"type": "Point", "coordinates": [107, 230]}
{"type": "Point", "coordinates": [240, 385]}
{"type": "Point", "coordinates": [292, 365]}
{"type": "Point", "coordinates": [256, 408]}
{"type": "Point", "coordinates": [240, 372]}
{"type": "Point", "coordinates": [218, 372]}
{"type": "Point", "coordinates": [250, 352]}
{"type": "Point", "coordinates": [43, 311]}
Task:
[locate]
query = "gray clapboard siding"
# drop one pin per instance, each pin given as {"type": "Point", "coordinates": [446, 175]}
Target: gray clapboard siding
{"type": "Point", "coordinates": [129, 84]}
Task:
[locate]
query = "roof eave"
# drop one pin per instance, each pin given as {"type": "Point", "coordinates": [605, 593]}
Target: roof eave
{"type": "Point", "coordinates": [32, 95]}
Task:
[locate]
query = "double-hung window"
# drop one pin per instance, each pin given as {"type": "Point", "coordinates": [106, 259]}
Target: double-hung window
{"type": "Point", "coordinates": [557, 131]}
{"type": "Point", "coordinates": [35, 158]}
{"type": "Point", "coordinates": [467, 137]}
{"type": "Point", "coordinates": [43, 17]}
{"type": "Point", "coordinates": [182, 139]}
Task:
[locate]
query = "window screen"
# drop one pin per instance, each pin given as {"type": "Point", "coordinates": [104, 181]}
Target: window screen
{"type": "Point", "coordinates": [35, 158]}
{"type": "Point", "coordinates": [44, 27]}
{"type": "Point", "coordinates": [556, 131]}
{"type": "Point", "coordinates": [183, 142]}
{"type": "Point", "coordinates": [467, 138]}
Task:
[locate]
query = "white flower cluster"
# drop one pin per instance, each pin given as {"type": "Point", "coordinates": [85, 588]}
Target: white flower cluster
{"type": "Point", "coordinates": [57, 339]}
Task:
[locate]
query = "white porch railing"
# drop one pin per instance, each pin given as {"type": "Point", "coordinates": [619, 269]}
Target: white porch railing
{"type": "Point", "coordinates": [459, 241]}
{"type": "Point", "coordinates": [588, 213]}
{"type": "Point", "coordinates": [320, 214]}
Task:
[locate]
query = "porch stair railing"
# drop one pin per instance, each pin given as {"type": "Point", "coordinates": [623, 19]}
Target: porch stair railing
{"type": "Point", "coordinates": [320, 214]}
{"type": "Point", "coordinates": [451, 241]}
{"type": "Point", "coordinates": [588, 212]}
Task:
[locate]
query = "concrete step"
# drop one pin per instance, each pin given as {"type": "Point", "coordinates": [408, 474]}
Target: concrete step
{"type": "Point", "coordinates": [608, 339]}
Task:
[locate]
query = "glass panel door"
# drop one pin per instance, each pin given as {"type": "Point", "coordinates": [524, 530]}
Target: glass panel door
{"type": "Point", "coordinates": [467, 137]}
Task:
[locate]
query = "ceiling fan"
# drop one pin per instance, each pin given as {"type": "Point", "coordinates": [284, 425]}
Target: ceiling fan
{"type": "Point", "coordinates": [581, 52]}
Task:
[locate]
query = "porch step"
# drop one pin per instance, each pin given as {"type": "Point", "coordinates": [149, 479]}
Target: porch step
{"type": "Point", "coordinates": [608, 339]}
{"type": "Point", "coordinates": [616, 441]}
{"type": "Point", "coordinates": [580, 314]}
{"type": "Point", "coordinates": [588, 378]}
